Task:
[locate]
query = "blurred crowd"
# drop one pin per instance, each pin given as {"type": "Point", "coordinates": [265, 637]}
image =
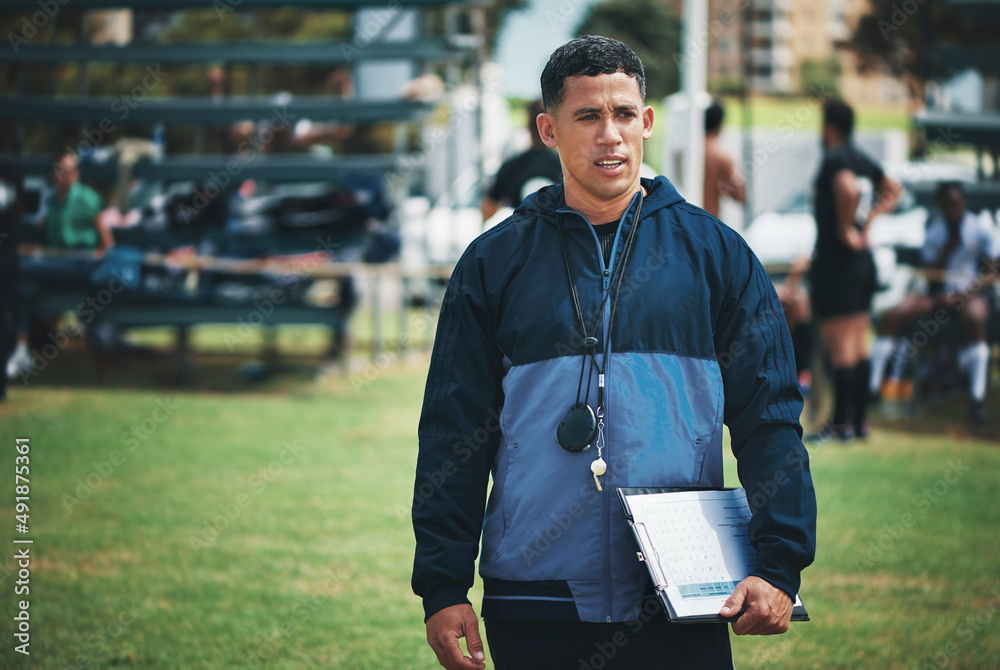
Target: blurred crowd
{"type": "Point", "coordinates": [827, 298]}
{"type": "Point", "coordinates": [937, 336]}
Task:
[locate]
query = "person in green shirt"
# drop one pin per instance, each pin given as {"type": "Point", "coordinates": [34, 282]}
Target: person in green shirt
{"type": "Point", "coordinates": [72, 220]}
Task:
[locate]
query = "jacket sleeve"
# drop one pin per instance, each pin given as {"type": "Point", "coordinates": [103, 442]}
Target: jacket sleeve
{"type": "Point", "coordinates": [459, 433]}
{"type": "Point", "coordinates": [762, 408]}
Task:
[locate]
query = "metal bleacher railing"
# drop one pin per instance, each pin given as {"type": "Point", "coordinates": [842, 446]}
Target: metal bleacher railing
{"type": "Point", "coordinates": [448, 50]}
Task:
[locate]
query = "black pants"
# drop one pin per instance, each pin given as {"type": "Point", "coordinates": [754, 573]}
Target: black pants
{"type": "Point", "coordinates": [649, 644]}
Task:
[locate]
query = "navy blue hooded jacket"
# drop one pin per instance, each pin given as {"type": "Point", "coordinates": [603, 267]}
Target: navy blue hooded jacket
{"type": "Point", "coordinates": [699, 339]}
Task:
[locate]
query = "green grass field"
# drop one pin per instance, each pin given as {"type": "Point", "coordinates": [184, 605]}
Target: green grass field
{"type": "Point", "coordinates": [231, 526]}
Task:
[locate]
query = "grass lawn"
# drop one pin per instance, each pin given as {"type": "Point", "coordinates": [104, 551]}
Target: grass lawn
{"type": "Point", "coordinates": [228, 526]}
{"type": "Point", "coordinates": [805, 114]}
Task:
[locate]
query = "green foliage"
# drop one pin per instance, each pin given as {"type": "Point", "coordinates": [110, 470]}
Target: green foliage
{"type": "Point", "coordinates": [650, 28]}
{"type": "Point", "coordinates": [725, 85]}
{"type": "Point", "coordinates": [496, 13]}
{"type": "Point", "coordinates": [278, 24]}
{"type": "Point", "coordinates": [897, 34]}
{"type": "Point", "coordinates": [820, 75]}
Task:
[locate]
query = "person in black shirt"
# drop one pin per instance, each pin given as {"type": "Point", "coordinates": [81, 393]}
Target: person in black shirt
{"type": "Point", "coordinates": [525, 173]}
{"type": "Point", "coordinates": [851, 190]}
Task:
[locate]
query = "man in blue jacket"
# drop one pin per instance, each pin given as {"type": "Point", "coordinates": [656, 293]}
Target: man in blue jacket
{"type": "Point", "coordinates": [599, 338]}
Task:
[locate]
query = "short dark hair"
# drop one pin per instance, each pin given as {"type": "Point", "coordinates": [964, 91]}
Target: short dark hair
{"type": "Point", "coordinates": [588, 56]}
{"type": "Point", "coordinates": [713, 117]}
{"type": "Point", "coordinates": [840, 116]}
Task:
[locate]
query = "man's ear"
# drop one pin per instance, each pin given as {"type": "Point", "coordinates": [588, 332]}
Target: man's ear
{"type": "Point", "coordinates": [647, 123]}
{"type": "Point", "coordinates": [547, 129]}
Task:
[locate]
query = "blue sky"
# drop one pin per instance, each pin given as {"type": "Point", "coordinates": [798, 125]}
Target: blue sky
{"type": "Point", "coordinates": [529, 36]}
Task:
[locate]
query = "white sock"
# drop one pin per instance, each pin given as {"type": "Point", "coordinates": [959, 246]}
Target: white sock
{"type": "Point", "coordinates": [17, 360]}
{"type": "Point", "coordinates": [20, 351]}
{"type": "Point", "coordinates": [978, 360]}
{"type": "Point", "coordinates": [881, 350]}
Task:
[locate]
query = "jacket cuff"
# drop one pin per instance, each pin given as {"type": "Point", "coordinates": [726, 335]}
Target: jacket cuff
{"type": "Point", "coordinates": [787, 581]}
{"type": "Point", "coordinates": [444, 595]}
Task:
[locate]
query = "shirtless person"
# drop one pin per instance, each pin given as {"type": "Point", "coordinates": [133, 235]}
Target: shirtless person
{"type": "Point", "coordinates": [722, 178]}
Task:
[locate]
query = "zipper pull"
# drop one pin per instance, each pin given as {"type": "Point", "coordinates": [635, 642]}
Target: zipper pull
{"type": "Point", "coordinates": [607, 279]}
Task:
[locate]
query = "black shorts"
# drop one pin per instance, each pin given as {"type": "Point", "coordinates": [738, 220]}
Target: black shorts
{"type": "Point", "coordinates": [650, 644]}
{"type": "Point", "coordinates": [843, 283]}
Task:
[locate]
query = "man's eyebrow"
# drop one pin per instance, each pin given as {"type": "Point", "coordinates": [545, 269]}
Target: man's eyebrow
{"type": "Point", "coordinates": [624, 107]}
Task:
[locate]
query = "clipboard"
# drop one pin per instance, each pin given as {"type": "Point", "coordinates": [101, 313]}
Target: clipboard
{"type": "Point", "coordinates": [692, 589]}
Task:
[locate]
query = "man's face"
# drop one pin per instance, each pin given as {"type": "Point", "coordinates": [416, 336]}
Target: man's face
{"type": "Point", "coordinates": [65, 173]}
{"type": "Point", "coordinates": [599, 129]}
{"type": "Point", "coordinates": [952, 206]}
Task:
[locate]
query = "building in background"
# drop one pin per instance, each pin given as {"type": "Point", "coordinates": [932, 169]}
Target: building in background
{"type": "Point", "coordinates": [787, 38]}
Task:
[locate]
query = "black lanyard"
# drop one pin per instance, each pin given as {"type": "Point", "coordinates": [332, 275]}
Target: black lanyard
{"type": "Point", "coordinates": [577, 430]}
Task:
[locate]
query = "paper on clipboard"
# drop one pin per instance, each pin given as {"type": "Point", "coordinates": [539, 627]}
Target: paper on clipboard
{"type": "Point", "coordinates": [696, 547]}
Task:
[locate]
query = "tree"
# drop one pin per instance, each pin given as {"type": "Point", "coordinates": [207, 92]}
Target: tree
{"type": "Point", "coordinates": [820, 75]}
{"type": "Point", "coordinates": [650, 28]}
{"type": "Point", "coordinates": [496, 14]}
{"type": "Point", "coordinates": [897, 35]}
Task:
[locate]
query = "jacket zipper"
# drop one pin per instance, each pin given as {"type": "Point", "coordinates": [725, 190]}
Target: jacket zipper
{"type": "Point", "coordinates": [605, 323]}
{"type": "Point", "coordinates": [605, 505]}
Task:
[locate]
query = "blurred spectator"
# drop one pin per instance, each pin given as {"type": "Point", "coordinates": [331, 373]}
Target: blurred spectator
{"type": "Point", "coordinates": [798, 315]}
{"type": "Point", "coordinates": [304, 134]}
{"type": "Point", "coordinates": [722, 177]}
{"type": "Point", "coordinates": [850, 191]}
{"type": "Point", "coordinates": [72, 220]}
{"type": "Point", "coordinates": [957, 247]}
{"type": "Point", "coordinates": [525, 173]}
{"type": "Point", "coordinates": [10, 217]}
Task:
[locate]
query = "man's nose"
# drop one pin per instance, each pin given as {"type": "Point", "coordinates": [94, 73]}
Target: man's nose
{"type": "Point", "coordinates": [609, 133]}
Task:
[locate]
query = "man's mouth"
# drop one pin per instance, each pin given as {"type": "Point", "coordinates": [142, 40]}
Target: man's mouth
{"type": "Point", "coordinates": [612, 166]}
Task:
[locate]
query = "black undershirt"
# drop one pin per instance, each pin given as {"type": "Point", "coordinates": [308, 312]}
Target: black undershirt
{"type": "Point", "coordinates": [606, 236]}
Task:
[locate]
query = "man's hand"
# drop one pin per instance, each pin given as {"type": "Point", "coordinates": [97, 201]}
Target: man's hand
{"type": "Point", "coordinates": [446, 627]}
{"type": "Point", "coordinates": [768, 610]}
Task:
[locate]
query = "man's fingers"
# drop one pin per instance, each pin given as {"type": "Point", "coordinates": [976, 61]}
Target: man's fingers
{"type": "Point", "coordinates": [444, 632]}
{"type": "Point", "coordinates": [751, 621]}
{"type": "Point", "coordinates": [473, 640]}
{"type": "Point", "coordinates": [735, 602]}
{"type": "Point", "coordinates": [767, 609]}
{"type": "Point", "coordinates": [760, 620]}
{"type": "Point", "coordinates": [449, 654]}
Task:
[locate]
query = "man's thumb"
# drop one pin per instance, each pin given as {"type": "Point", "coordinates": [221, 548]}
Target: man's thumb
{"type": "Point", "coordinates": [474, 641]}
{"type": "Point", "coordinates": [735, 601]}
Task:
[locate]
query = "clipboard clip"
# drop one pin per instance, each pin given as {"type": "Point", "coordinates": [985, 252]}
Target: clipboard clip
{"type": "Point", "coordinates": [647, 548]}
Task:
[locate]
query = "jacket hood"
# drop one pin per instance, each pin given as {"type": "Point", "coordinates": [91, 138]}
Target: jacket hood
{"type": "Point", "coordinates": [544, 203]}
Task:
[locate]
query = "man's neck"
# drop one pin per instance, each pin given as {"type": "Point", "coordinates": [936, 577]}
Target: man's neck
{"type": "Point", "coordinates": [837, 142]}
{"type": "Point", "coordinates": [600, 211]}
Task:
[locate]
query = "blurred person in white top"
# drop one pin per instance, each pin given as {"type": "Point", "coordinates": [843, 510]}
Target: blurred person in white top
{"type": "Point", "coordinates": [960, 251]}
